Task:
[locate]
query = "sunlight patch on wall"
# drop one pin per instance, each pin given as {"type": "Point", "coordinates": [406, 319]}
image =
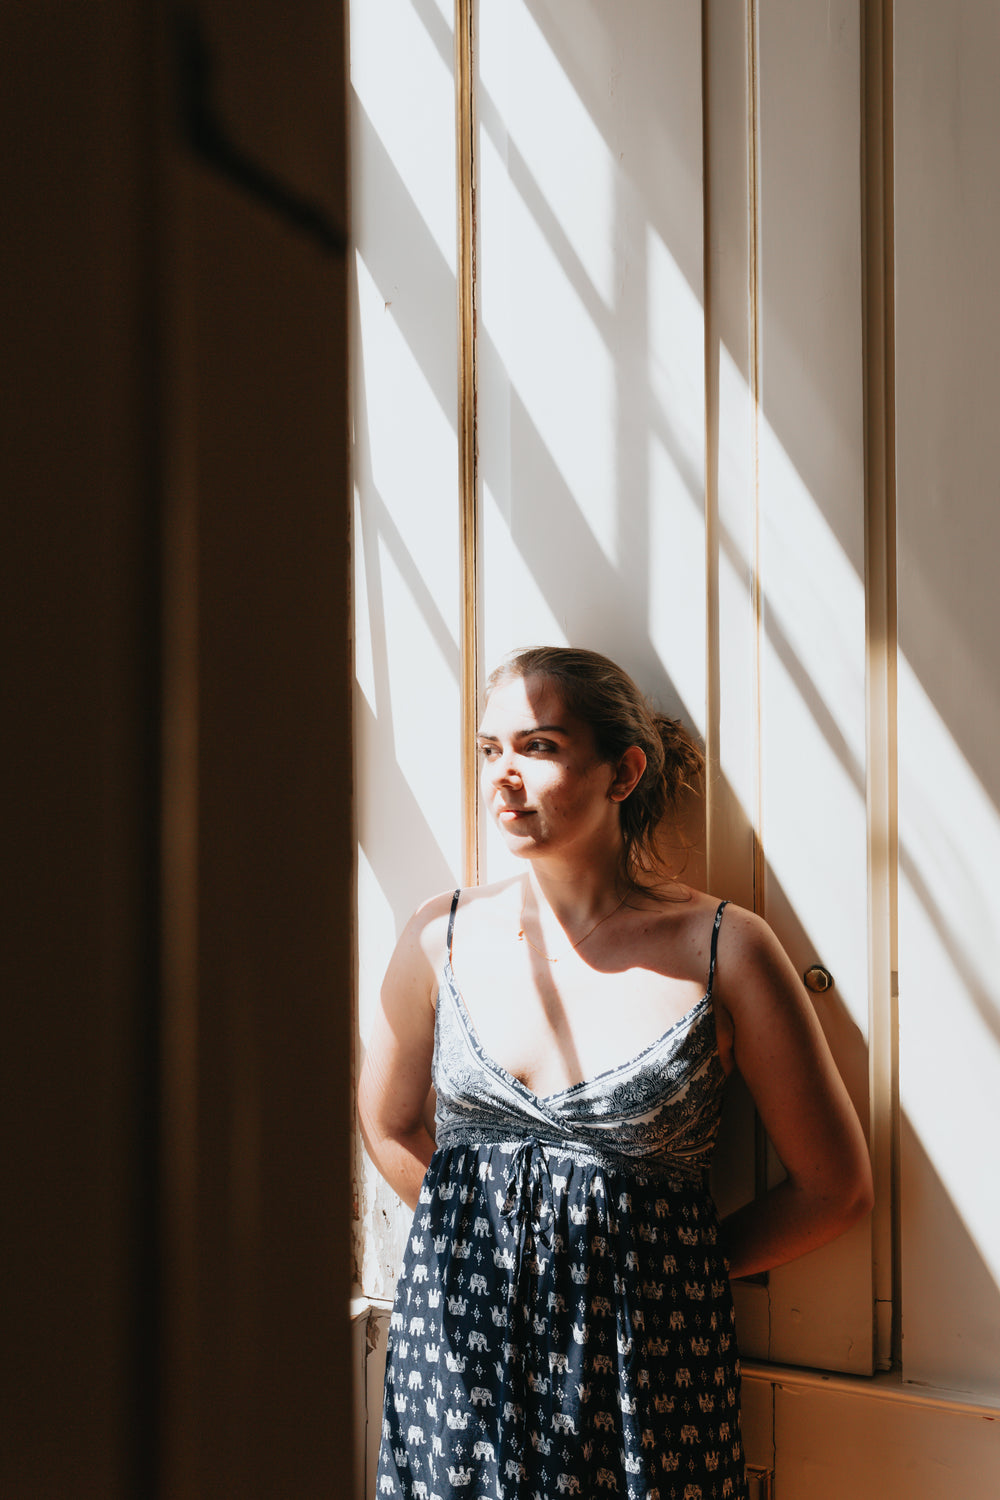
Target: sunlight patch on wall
{"type": "Point", "coordinates": [526, 617]}
{"type": "Point", "coordinates": [364, 655]}
{"type": "Point", "coordinates": [421, 685]}
{"type": "Point", "coordinates": [549, 346]}
{"type": "Point", "coordinates": [813, 722]}
{"type": "Point", "coordinates": [677, 590]}
{"type": "Point", "coordinates": [949, 937]}
{"type": "Point", "coordinates": [676, 334]}
{"type": "Point", "coordinates": [408, 94]}
{"type": "Point", "coordinates": [409, 437]}
{"type": "Point", "coordinates": [814, 594]}
{"type": "Point", "coordinates": [553, 132]}
{"type": "Point", "coordinates": [816, 835]}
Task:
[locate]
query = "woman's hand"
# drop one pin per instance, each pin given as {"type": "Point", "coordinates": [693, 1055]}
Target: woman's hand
{"type": "Point", "coordinates": [781, 1052]}
{"type": "Point", "coordinates": [396, 1076]}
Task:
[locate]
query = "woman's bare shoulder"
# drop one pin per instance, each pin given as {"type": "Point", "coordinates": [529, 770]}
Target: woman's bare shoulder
{"type": "Point", "coordinates": [746, 934]}
{"type": "Point", "coordinates": [428, 927]}
{"type": "Point", "coordinates": [754, 973]}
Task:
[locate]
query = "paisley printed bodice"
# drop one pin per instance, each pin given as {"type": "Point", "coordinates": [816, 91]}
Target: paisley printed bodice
{"type": "Point", "coordinates": [657, 1114]}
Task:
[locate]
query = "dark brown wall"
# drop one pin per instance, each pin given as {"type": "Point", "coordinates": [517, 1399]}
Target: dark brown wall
{"type": "Point", "coordinates": [176, 754]}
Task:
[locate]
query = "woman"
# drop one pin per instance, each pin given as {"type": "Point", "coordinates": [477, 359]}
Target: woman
{"type": "Point", "coordinates": [563, 1322]}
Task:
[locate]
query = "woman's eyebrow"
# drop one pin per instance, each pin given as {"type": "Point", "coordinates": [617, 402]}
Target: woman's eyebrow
{"type": "Point", "coordinates": [523, 734]}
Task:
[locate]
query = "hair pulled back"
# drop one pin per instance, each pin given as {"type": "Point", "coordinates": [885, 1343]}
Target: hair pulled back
{"type": "Point", "coordinates": [599, 693]}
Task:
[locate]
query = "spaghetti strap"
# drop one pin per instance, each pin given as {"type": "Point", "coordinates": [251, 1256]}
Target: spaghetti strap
{"type": "Point", "coordinates": [715, 942]}
{"type": "Point", "coordinates": [451, 921]}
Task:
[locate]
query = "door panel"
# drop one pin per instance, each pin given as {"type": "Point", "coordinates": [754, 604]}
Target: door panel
{"type": "Point", "coordinates": [788, 826]}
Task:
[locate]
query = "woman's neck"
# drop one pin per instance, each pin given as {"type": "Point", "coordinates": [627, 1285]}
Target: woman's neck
{"type": "Point", "coordinates": [575, 894]}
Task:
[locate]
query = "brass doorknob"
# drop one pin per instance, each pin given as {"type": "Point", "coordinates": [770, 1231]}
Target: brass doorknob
{"type": "Point", "coordinates": [818, 979]}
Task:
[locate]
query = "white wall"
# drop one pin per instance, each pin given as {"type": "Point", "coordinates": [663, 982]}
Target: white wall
{"type": "Point", "coordinates": [405, 461]}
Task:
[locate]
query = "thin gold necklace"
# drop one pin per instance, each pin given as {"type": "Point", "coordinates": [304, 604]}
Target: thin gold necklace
{"type": "Point", "coordinates": [522, 936]}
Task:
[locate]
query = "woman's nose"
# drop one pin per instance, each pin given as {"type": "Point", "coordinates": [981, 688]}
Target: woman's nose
{"type": "Point", "coordinates": [504, 768]}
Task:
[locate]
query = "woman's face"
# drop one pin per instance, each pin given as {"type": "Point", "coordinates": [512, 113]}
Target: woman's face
{"type": "Point", "coordinates": [540, 776]}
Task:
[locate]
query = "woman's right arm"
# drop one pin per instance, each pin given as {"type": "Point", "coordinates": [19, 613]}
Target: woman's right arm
{"type": "Point", "coordinates": [396, 1076]}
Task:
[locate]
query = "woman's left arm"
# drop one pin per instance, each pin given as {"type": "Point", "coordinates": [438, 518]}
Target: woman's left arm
{"type": "Point", "coordinates": [782, 1055]}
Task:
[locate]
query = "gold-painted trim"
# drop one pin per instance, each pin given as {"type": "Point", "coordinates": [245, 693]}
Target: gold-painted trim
{"type": "Point", "coordinates": [761, 1174]}
{"type": "Point", "coordinates": [465, 162]}
{"type": "Point", "coordinates": [880, 657]}
{"type": "Point", "coordinates": [753, 303]}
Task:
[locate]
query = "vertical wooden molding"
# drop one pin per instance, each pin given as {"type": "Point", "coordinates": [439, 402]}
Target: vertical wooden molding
{"type": "Point", "coordinates": [757, 600]}
{"type": "Point", "coordinates": [753, 304]}
{"type": "Point", "coordinates": [465, 123]}
{"type": "Point", "coordinates": [712, 528]}
{"type": "Point", "coordinates": [880, 633]}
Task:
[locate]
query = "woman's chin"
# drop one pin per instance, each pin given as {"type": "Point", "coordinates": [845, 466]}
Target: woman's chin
{"type": "Point", "coordinates": [518, 839]}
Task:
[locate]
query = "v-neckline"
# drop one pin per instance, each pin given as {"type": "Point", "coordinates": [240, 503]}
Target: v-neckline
{"type": "Point", "coordinates": [543, 1100]}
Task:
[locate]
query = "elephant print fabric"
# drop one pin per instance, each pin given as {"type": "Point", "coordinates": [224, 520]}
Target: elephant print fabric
{"type": "Point", "coordinates": [563, 1324]}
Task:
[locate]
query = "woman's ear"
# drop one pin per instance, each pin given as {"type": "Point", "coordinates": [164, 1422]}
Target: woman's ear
{"type": "Point", "coordinates": [629, 773]}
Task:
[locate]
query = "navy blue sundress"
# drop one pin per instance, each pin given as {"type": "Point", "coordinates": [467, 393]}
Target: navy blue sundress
{"type": "Point", "coordinates": [563, 1324]}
